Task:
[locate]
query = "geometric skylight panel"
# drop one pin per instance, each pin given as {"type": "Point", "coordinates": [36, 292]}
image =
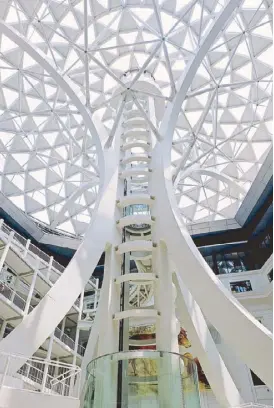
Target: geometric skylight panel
{"type": "Point", "coordinates": [224, 126]}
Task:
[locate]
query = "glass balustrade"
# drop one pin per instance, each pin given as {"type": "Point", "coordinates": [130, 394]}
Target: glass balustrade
{"type": "Point", "coordinates": [143, 378]}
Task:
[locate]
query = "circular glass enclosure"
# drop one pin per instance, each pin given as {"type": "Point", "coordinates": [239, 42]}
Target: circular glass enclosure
{"type": "Point", "coordinates": [141, 379]}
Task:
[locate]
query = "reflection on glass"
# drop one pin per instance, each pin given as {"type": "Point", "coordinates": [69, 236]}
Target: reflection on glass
{"type": "Point", "coordinates": [231, 263]}
{"type": "Point", "coordinates": [142, 379]}
{"type": "Point", "coordinates": [137, 209]}
{"type": "Point", "coordinates": [241, 286]}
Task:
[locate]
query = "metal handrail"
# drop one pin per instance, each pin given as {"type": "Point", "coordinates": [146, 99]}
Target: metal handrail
{"type": "Point", "coordinates": [44, 373]}
{"type": "Point", "coordinates": [19, 239]}
{"type": "Point", "coordinates": [64, 375]}
{"type": "Point", "coordinates": [64, 338]}
{"type": "Point", "coordinates": [81, 350]}
{"type": "Point", "coordinates": [7, 292]}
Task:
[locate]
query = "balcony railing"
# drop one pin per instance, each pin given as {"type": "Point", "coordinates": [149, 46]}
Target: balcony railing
{"type": "Point", "coordinates": [81, 350]}
{"type": "Point", "coordinates": [68, 341]}
{"type": "Point", "coordinates": [11, 295]}
{"type": "Point", "coordinates": [64, 338]}
{"type": "Point", "coordinates": [49, 377]}
{"type": "Point", "coordinates": [18, 301]}
{"type": "Point", "coordinates": [23, 246]}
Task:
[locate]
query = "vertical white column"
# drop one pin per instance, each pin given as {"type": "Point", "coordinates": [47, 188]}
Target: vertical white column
{"type": "Point", "coordinates": [6, 250]}
{"type": "Point", "coordinates": [96, 294]}
{"type": "Point", "coordinates": [106, 369]}
{"type": "Point", "coordinates": [77, 328]}
{"type": "Point", "coordinates": [167, 329]}
{"type": "Point", "coordinates": [56, 367]}
{"type": "Point", "coordinates": [28, 369]}
{"type": "Point", "coordinates": [105, 325]}
{"type": "Point", "coordinates": [63, 325]}
{"type": "Point", "coordinates": [113, 268]}
{"type": "Point", "coordinates": [31, 289]}
{"type": "Point", "coordinates": [46, 369]}
{"type": "Point", "coordinates": [74, 384]}
{"type": "Point", "coordinates": [167, 325]}
{"type": "Point", "coordinates": [152, 117]}
{"type": "Point", "coordinates": [26, 248]}
{"type": "Point", "coordinates": [49, 267]}
{"type": "Point", "coordinates": [32, 286]}
{"type": "Point", "coordinates": [15, 287]}
{"type": "Point", "coordinates": [6, 369]}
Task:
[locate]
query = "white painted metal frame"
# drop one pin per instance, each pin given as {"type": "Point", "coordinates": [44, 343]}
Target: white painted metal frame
{"type": "Point", "coordinates": [173, 243]}
{"type": "Point", "coordinates": [62, 80]}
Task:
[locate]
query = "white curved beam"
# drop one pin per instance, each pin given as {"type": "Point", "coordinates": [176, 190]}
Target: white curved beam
{"type": "Point", "coordinates": [182, 249]}
{"type": "Point", "coordinates": [101, 316]}
{"type": "Point", "coordinates": [173, 109]}
{"type": "Point", "coordinates": [192, 268]}
{"type": "Point", "coordinates": [211, 173]}
{"type": "Point", "coordinates": [195, 133]}
{"type": "Point", "coordinates": [36, 327]}
{"type": "Point", "coordinates": [61, 79]}
{"type": "Point", "coordinates": [116, 124]}
{"type": "Point", "coordinates": [192, 319]}
{"type": "Point", "coordinates": [71, 200]}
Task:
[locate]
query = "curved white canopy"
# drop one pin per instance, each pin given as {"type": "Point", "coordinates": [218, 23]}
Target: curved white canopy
{"type": "Point", "coordinates": [46, 150]}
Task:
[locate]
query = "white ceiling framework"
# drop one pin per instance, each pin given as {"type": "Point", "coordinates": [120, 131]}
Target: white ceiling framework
{"type": "Point", "coordinates": [223, 132]}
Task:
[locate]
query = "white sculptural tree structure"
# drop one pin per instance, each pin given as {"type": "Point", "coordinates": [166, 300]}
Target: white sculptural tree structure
{"type": "Point", "coordinates": [125, 159]}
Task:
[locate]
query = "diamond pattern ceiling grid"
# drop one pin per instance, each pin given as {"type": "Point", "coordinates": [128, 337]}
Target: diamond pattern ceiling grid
{"type": "Point", "coordinates": [224, 125]}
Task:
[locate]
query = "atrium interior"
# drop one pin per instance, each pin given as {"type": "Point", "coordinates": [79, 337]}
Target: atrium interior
{"type": "Point", "coordinates": [136, 204]}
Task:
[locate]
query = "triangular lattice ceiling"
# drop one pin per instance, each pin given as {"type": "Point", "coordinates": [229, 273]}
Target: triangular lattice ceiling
{"type": "Point", "coordinates": [46, 152]}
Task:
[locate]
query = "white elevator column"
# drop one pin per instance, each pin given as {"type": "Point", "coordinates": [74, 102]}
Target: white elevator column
{"type": "Point", "coordinates": [132, 242]}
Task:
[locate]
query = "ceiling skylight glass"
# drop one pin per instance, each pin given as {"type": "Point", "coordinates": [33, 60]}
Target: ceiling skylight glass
{"type": "Point", "coordinates": [223, 132]}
